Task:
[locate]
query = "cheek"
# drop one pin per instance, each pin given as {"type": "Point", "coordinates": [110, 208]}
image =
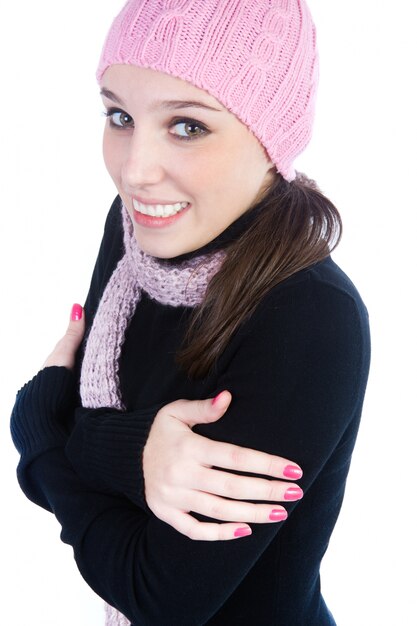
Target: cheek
{"type": "Point", "coordinates": [193, 173]}
{"type": "Point", "coordinates": [237, 165]}
{"type": "Point", "coordinates": [210, 168]}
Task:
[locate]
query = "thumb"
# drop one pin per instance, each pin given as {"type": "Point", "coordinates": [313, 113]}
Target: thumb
{"type": "Point", "coordinates": [65, 350]}
{"type": "Point", "coordinates": [192, 412]}
{"type": "Point", "coordinates": [76, 327]}
{"type": "Point", "coordinates": [219, 405]}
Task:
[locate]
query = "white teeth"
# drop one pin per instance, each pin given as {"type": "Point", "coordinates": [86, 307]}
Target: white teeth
{"type": "Point", "coordinates": [159, 210]}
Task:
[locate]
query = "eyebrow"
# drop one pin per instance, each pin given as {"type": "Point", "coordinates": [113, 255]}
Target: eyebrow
{"type": "Point", "coordinates": [183, 104]}
{"type": "Point", "coordinates": [163, 104]}
{"type": "Point", "coordinates": [111, 96]}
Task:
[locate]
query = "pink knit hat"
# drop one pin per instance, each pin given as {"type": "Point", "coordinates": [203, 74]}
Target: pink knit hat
{"type": "Point", "coordinates": [257, 57]}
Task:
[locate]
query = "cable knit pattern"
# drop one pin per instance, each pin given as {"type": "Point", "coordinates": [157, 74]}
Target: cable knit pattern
{"type": "Point", "coordinates": [257, 58]}
{"type": "Point", "coordinates": [176, 285]}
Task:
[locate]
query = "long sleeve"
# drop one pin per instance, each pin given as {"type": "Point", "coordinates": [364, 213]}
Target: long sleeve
{"type": "Point", "coordinates": [297, 372]}
{"type": "Point", "coordinates": [49, 429]}
{"type": "Point", "coordinates": [106, 446]}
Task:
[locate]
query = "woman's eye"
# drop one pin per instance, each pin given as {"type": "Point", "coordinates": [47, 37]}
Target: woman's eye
{"type": "Point", "coordinates": [120, 119]}
{"type": "Point", "coordinates": [188, 129]}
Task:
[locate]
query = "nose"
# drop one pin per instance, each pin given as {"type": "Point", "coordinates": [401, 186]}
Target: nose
{"type": "Point", "coordinates": [143, 164]}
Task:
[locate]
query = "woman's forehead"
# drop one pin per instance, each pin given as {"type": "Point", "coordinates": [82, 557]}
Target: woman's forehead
{"type": "Point", "coordinates": [144, 82]}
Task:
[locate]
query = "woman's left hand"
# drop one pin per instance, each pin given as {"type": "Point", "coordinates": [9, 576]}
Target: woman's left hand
{"type": "Point", "coordinates": [65, 350]}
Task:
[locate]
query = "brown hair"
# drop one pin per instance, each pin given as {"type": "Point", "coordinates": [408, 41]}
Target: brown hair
{"type": "Point", "coordinates": [296, 226]}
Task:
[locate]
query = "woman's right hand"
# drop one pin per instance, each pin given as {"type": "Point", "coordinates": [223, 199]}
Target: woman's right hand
{"type": "Point", "coordinates": [179, 475]}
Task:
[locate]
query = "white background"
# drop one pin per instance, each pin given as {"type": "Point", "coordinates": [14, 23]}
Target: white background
{"type": "Point", "coordinates": [55, 194]}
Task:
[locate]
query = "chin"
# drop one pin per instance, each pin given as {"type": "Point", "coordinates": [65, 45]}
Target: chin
{"type": "Point", "coordinates": [160, 251]}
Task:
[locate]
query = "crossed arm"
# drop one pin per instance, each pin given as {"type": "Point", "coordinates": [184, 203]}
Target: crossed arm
{"type": "Point", "coordinates": [142, 565]}
{"type": "Point", "coordinates": [178, 470]}
{"type": "Point", "coordinates": [122, 545]}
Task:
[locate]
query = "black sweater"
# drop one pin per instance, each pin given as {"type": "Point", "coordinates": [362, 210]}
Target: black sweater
{"type": "Point", "coordinates": [297, 371]}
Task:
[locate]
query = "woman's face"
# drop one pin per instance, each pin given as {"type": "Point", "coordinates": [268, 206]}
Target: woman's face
{"type": "Point", "coordinates": [185, 167]}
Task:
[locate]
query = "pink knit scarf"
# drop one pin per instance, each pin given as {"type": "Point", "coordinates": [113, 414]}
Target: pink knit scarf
{"type": "Point", "coordinates": [182, 284]}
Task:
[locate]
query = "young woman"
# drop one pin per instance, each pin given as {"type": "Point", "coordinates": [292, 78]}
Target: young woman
{"type": "Point", "coordinates": [226, 355]}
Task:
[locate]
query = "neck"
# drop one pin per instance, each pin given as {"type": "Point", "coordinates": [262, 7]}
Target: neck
{"type": "Point", "coordinates": [222, 241]}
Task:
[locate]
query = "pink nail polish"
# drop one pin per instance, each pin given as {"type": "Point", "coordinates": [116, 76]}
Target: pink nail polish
{"type": "Point", "coordinates": [76, 312]}
{"type": "Point", "coordinates": [213, 402]}
{"type": "Point", "coordinates": [278, 515]}
{"type": "Point", "coordinates": [293, 493]}
{"type": "Point", "coordinates": [293, 471]}
{"type": "Point", "coordinates": [243, 532]}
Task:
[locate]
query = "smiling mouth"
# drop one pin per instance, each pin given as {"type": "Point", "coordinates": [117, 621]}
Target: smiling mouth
{"type": "Point", "coordinates": [159, 210]}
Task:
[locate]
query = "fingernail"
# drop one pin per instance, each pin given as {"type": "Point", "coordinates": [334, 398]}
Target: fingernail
{"type": "Point", "coordinates": [243, 532]}
{"type": "Point", "coordinates": [213, 402]}
{"type": "Point", "coordinates": [278, 515]}
{"type": "Point", "coordinates": [293, 471]}
{"type": "Point", "coordinates": [76, 312]}
{"type": "Point", "coordinates": [293, 493]}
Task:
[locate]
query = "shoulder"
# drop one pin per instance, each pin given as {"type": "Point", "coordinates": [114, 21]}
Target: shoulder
{"type": "Point", "coordinates": [314, 319]}
{"type": "Point", "coordinates": [301, 362]}
{"type": "Point", "coordinates": [320, 293]}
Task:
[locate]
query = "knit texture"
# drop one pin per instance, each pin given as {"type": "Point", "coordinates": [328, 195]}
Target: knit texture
{"type": "Point", "coordinates": [175, 285]}
{"type": "Point", "coordinates": [32, 436]}
{"type": "Point", "coordinates": [257, 58]}
{"type": "Point", "coordinates": [114, 618]}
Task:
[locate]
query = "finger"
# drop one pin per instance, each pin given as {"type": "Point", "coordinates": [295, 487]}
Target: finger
{"type": "Point", "coordinates": [205, 531]}
{"type": "Point", "coordinates": [243, 487]}
{"type": "Point", "coordinates": [65, 350]}
{"type": "Point", "coordinates": [230, 456]}
{"type": "Point", "coordinates": [76, 327]}
{"type": "Point", "coordinates": [192, 412]}
{"type": "Point", "coordinates": [235, 511]}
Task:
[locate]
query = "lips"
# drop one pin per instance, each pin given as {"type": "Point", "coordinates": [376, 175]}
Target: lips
{"type": "Point", "coordinates": [159, 210]}
{"type": "Point", "coordinates": [158, 216]}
